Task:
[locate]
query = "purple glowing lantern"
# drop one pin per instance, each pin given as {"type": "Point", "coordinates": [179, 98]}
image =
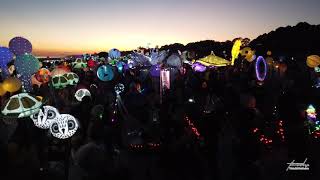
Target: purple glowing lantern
{"type": "Point", "coordinates": [198, 67]}
{"type": "Point", "coordinates": [20, 46]}
{"type": "Point", "coordinates": [261, 75]}
{"type": "Point", "coordinates": [155, 71]}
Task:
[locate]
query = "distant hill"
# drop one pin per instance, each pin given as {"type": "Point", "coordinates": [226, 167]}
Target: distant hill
{"type": "Point", "coordinates": [300, 40]}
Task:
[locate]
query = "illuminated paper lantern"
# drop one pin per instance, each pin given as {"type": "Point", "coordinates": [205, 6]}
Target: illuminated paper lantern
{"type": "Point", "coordinates": [105, 73]}
{"type": "Point", "coordinates": [21, 105]}
{"type": "Point", "coordinates": [64, 126]}
{"type": "Point", "coordinates": [26, 64]}
{"type": "Point", "coordinates": [79, 64]}
{"type": "Point", "coordinates": [73, 78]}
{"type": "Point", "coordinates": [44, 117]}
{"type": "Point", "coordinates": [20, 46]}
{"type": "Point", "coordinates": [59, 82]}
{"type": "Point", "coordinates": [120, 66]}
{"type": "Point", "coordinates": [261, 72]}
{"type": "Point", "coordinates": [114, 53]}
{"type": "Point", "coordinates": [213, 61]}
{"type": "Point", "coordinates": [81, 93]}
{"type": "Point", "coordinates": [198, 67]}
{"type": "Point", "coordinates": [5, 56]}
{"type": "Point", "coordinates": [313, 61]}
{"type": "Point", "coordinates": [269, 53]}
{"type": "Point", "coordinates": [235, 51]}
{"type": "Point", "coordinates": [43, 75]}
{"type": "Point", "coordinates": [91, 63]}
{"type": "Point", "coordinates": [11, 84]}
{"type": "Point", "coordinates": [248, 53]}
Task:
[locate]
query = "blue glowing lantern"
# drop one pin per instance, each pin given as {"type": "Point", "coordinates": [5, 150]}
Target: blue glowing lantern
{"type": "Point", "coordinates": [261, 73]}
{"type": "Point", "coordinates": [114, 53]}
{"type": "Point", "coordinates": [105, 73]}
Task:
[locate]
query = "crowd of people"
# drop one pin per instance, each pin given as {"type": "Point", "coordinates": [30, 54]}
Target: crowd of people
{"type": "Point", "coordinates": [219, 124]}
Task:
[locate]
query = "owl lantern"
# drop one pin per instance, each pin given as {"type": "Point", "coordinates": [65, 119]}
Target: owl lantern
{"type": "Point", "coordinates": [64, 126]}
{"type": "Point", "coordinates": [45, 117]}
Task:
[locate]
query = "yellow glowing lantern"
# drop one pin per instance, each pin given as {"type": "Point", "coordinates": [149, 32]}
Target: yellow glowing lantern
{"type": "Point", "coordinates": [313, 61]}
{"type": "Point", "coordinates": [269, 53]}
{"type": "Point", "coordinates": [235, 50]}
{"type": "Point", "coordinates": [11, 84]}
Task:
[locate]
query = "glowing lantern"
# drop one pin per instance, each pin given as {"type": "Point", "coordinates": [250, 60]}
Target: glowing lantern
{"type": "Point", "coordinates": [235, 51]}
{"type": "Point", "coordinates": [11, 84]}
{"type": "Point", "coordinates": [105, 73]}
{"type": "Point", "coordinates": [311, 112]}
{"type": "Point", "coordinates": [114, 53]}
{"type": "Point", "coordinates": [59, 82]}
{"type": "Point", "coordinates": [5, 56]}
{"type": "Point", "coordinates": [261, 74]}
{"type": "Point", "coordinates": [81, 93]}
{"type": "Point", "coordinates": [91, 63]}
{"type": "Point", "coordinates": [73, 78]}
{"type": "Point", "coordinates": [21, 105]}
{"type": "Point", "coordinates": [26, 64]}
{"type": "Point", "coordinates": [155, 71]}
{"type": "Point", "coordinates": [248, 53]}
{"type": "Point", "coordinates": [269, 53]}
{"type": "Point", "coordinates": [213, 61]}
{"type": "Point", "coordinates": [64, 126]}
{"type": "Point", "coordinates": [43, 75]}
{"type": "Point", "coordinates": [198, 67]}
{"type": "Point", "coordinates": [79, 64]}
{"type": "Point", "coordinates": [313, 61]}
{"type": "Point", "coordinates": [20, 46]}
{"type": "Point", "coordinates": [44, 117]}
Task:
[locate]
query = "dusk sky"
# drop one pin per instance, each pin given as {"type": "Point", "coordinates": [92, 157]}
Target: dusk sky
{"type": "Point", "coordinates": [58, 27]}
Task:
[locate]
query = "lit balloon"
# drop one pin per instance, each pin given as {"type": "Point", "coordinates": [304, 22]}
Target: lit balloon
{"type": "Point", "coordinates": [20, 46]}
